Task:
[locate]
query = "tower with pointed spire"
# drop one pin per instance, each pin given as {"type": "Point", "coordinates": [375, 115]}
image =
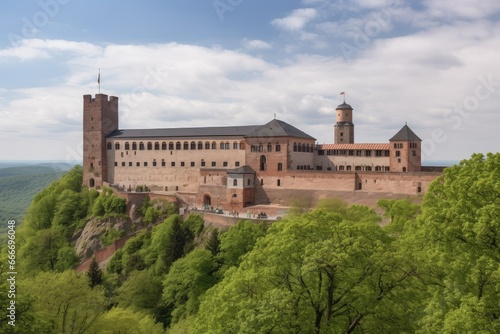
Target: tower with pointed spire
{"type": "Point", "coordinates": [344, 127]}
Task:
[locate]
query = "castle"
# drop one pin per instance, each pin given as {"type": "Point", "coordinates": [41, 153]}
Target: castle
{"type": "Point", "coordinates": [236, 166]}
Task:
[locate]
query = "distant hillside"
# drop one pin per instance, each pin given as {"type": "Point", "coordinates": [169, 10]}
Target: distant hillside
{"type": "Point", "coordinates": [18, 186]}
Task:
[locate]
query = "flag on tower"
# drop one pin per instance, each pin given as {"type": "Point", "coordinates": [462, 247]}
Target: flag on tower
{"type": "Point", "coordinates": [99, 78]}
{"type": "Point", "coordinates": [342, 93]}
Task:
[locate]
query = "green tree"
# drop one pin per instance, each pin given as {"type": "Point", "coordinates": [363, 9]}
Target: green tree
{"type": "Point", "coordinates": [187, 280]}
{"type": "Point", "coordinates": [123, 321]}
{"type": "Point", "coordinates": [456, 238]}
{"type": "Point", "coordinates": [322, 272]}
{"type": "Point", "coordinates": [64, 300]}
{"type": "Point", "coordinates": [94, 273]}
{"type": "Point", "coordinates": [239, 240]}
{"type": "Point", "coordinates": [213, 242]}
{"type": "Point", "coordinates": [167, 244]}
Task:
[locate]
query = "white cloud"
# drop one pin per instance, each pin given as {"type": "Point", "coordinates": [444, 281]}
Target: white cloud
{"type": "Point", "coordinates": [418, 78]}
{"type": "Point", "coordinates": [29, 49]}
{"type": "Point", "coordinates": [296, 21]}
{"type": "Point", "coordinates": [256, 44]}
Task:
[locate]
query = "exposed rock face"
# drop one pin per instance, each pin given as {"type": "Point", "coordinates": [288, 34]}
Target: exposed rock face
{"type": "Point", "coordinates": [89, 239]}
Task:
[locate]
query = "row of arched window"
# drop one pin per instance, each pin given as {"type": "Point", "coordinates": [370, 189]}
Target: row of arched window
{"type": "Point", "coordinates": [178, 146]}
{"type": "Point", "coordinates": [364, 168]}
{"type": "Point", "coordinates": [301, 147]}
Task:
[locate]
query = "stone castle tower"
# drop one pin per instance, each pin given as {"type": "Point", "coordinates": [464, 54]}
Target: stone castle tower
{"type": "Point", "coordinates": [344, 128]}
{"type": "Point", "coordinates": [405, 151]}
{"type": "Point", "coordinates": [100, 118]}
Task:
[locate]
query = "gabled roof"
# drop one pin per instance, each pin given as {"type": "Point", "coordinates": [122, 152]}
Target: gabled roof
{"type": "Point", "coordinates": [277, 128]}
{"type": "Point", "coordinates": [238, 131]}
{"type": "Point", "coordinates": [405, 134]}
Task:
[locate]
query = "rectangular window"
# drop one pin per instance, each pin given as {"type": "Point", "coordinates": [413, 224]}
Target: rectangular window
{"type": "Point", "coordinates": [387, 153]}
{"type": "Point", "coordinates": [414, 153]}
{"type": "Point", "coordinates": [182, 163]}
{"type": "Point", "coordinates": [172, 164]}
{"type": "Point", "coordinates": [237, 164]}
{"type": "Point", "coordinates": [224, 164]}
{"type": "Point", "coordinates": [351, 152]}
{"type": "Point", "coordinates": [214, 164]}
{"type": "Point", "coordinates": [368, 153]}
{"type": "Point", "coordinates": [145, 164]}
{"type": "Point", "coordinates": [321, 152]}
{"type": "Point", "coordinates": [123, 163]}
{"type": "Point", "coordinates": [192, 163]}
{"type": "Point", "coordinates": [203, 164]}
{"type": "Point", "coordinates": [154, 163]}
{"type": "Point", "coordinates": [163, 163]}
{"type": "Point", "coordinates": [358, 153]}
{"type": "Point", "coordinates": [278, 148]}
{"type": "Point", "coordinates": [116, 164]}
{"type": "Point", "coordinates": [138, 164]}
{"type": "Point", "coordinates": [130, 164]}
{"type": "Point", "coordinates": [398, 153]}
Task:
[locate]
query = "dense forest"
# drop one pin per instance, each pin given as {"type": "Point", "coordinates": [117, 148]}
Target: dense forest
{"type": "Point", "coordinates": [18, 186]}
{"type": "Point", "coordinates": [334, 269]}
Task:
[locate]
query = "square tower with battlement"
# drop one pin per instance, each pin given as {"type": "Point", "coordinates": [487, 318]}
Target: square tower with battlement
{"type": "Point", "coordinates": [100, 118]}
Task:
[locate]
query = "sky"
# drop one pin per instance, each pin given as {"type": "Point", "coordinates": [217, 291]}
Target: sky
{"type": "Point", "coordinates": [187, 63]}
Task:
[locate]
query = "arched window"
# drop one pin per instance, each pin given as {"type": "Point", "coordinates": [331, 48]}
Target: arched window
{"type": "Point", "coordinates": [200, 145]}
{"type": "Point", "coordinates": [170, 146]}
{"type": "Point", "coordinates": [150, 146]}
{"type": "Point", "coordinates": [186, 145]}
{"type": "Point", "coordinates": [304, 148]}
{"type": "Point", "coordinates": [348, 168]}
{"type": "Point", "coordinates": [134, 146]}
{"type": "Point", "coordinates": [295, 147]}
{"type": "Point", "coordinates": [269, 147]}
{"type": "Point", "coordinates": [157, 146]}
{"type": "Point", "coordinates": [141, 146]}
{"type": "Point", "coordinates": [278, 148]}
{"type": "Point", "coordinates": [263, 162]}
{"type": "Point", "coordinates": [193, 145]}
{"type": "Point", "coordinates": [221, 146]}
{"type": "Point", "coordinates": [386, 168]}
{"type": "Point", "coordinates": [127, 146]}
{"type": "Point", "coordinates": [235, 183]}
{"type": "Point", "coordinates": [214, 145]}
{"type": "Point", "coordinates": [235, 145]}
{"type": "Point", "coordinates": [117, 146]}
{"type": "Point", "coordinates": [357, 168]}
{"type": "Point", "coordinates": [110, 146]}
{"type": "Point", "coordinates": [207, 145]}
{"type": "Point", "coordinates": [178, 145]}
{"type": "Point", "coordinates": [280, 166]}
{"type": "Point", "coordinates": [404, 169]}
{"type": "Point", "coordinates": [226, 145]}
{"type": "Point", "coordinates": [242, 145]}
{"type": "Point", "coordinates": [341, 167]}
{"type": "Point", "coordinates": [368, 168]}
{"type": "Point", "coordinates": [248, 182]}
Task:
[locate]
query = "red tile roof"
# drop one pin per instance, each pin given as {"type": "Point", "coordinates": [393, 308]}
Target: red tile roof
{"type": "Point", "coordinates": [355, 146]}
